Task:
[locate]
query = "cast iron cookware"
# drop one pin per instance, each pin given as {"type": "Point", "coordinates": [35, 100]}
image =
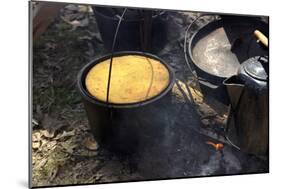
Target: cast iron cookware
{"type": "Point", "coordinates": [217, 49]}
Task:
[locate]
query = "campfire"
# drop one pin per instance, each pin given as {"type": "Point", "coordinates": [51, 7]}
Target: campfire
{"type": "Point", "coordinates": [217, 146]}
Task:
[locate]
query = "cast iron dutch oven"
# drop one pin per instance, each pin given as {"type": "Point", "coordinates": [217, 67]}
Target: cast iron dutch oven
{"type": "Point", "coordinates": [119, 126]}
{"type": "Point", "coordinates": [131, 34]}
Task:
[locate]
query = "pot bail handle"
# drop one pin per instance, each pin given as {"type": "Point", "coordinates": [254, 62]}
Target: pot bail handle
{"type": "Point", "coordinates": [112, 54]}
{"type": "Point", "coordinates": [187, 40]}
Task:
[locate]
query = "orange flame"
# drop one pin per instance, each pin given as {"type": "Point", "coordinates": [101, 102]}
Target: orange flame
{"type": "Point", "coordinates": [217, 146]}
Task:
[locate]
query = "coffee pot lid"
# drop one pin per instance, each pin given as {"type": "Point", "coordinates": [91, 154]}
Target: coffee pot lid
{"type": "Point", "coordinates": [255, 69]}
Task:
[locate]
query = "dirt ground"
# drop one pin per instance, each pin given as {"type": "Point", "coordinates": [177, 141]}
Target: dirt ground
{"type": "Point", "coordinates": [63, 149]}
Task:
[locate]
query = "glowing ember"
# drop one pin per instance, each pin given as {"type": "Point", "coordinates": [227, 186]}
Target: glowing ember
{"type": "Point", "coordinates": [217, 146]}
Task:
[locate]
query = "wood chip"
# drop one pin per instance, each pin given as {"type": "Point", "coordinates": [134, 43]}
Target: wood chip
{"type": "Point", "coordinates": [35, 122]}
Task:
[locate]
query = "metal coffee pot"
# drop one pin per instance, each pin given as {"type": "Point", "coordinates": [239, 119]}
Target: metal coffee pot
{"type": "Point", "coordinates": [248, 120]}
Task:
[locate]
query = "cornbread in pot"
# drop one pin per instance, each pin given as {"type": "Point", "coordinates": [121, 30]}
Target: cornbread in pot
{"type": "Point", "coordinates": [134, 78]}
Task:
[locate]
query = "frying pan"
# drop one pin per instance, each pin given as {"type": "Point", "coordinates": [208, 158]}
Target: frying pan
{"type": "Point", "coordinates": [217, 49]}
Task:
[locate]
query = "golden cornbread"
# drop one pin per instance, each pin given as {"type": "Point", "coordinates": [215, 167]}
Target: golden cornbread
{"type": "Point", "coordinates": [134, 78]}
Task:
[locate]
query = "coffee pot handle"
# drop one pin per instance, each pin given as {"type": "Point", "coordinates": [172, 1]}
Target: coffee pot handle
{"type": "Point", "coordinates": [261, 37]}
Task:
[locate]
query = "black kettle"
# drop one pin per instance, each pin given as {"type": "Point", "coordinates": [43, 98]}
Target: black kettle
{"type": "Point", "coordinates": [248, 120]}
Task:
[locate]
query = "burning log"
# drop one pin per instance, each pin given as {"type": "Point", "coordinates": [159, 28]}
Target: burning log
{"type": "Point", "coordinates": [217, 146]}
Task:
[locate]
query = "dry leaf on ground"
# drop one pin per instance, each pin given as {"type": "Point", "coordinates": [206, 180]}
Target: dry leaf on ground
{"type": "Point", "coordinates": [65, 134]}
{"type": "Point", "coordinates": [47, 134]}
{"type": "Point", "coordinates": [35, 145]}
{"type": "Point", "coordinates": [90, 144]}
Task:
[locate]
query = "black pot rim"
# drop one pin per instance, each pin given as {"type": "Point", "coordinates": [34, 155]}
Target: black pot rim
{"type": "Point", "coordinates": [126, 20]}
{"type": "Point", "coordinates": [191, 41]}
{"type": "Point", "coordinates": [86, 95]}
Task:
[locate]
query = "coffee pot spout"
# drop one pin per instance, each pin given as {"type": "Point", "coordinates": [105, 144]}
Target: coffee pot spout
{"type": "Point", "coordinates": [234, 87]}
